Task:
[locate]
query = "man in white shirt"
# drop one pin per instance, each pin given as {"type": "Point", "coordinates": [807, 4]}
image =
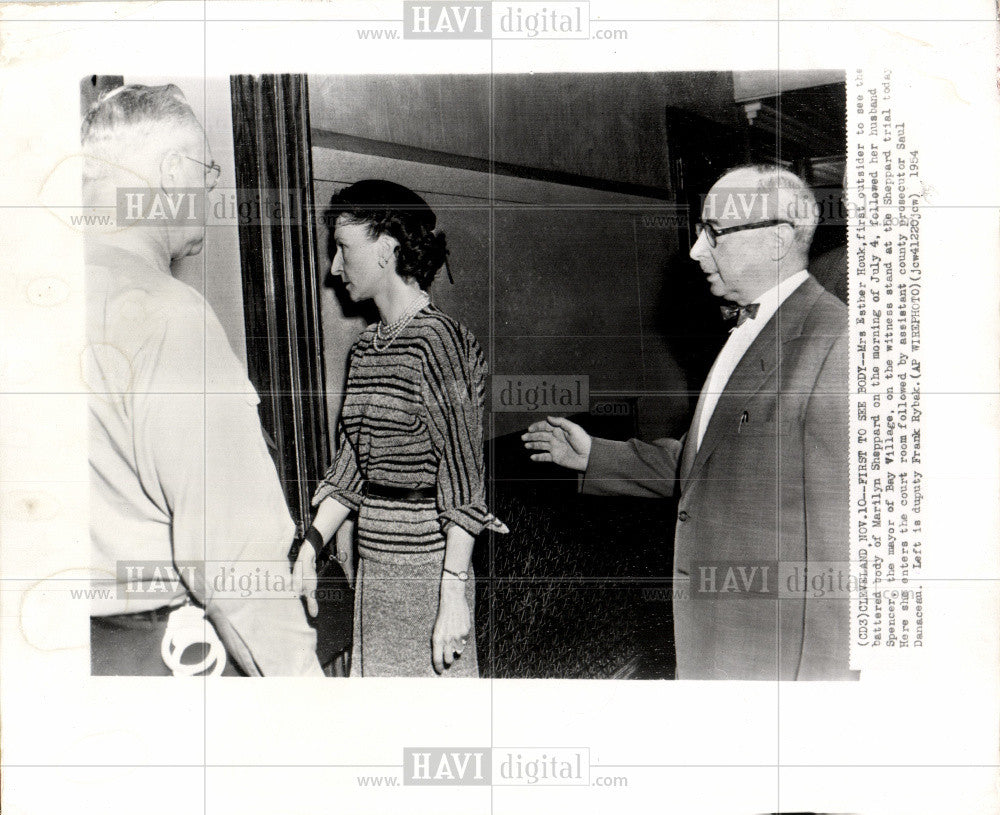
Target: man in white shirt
{"type": "Point", "coordinates": [762, 472]}
{"type": "Point", "coordinates": [186, 506]}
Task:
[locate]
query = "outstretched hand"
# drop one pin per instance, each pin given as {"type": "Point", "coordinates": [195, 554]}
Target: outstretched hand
{"type": "Point", "coordinates": [560, 441]}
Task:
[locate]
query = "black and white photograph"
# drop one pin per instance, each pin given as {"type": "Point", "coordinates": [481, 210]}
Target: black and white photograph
{"type": "Point", "coordinates": [412, 406]}
{"type": "Point", "coordinates": [551, 368]}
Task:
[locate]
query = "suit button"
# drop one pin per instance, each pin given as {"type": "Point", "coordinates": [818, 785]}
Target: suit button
{"type": "Point", "coordinates": [682, 516]}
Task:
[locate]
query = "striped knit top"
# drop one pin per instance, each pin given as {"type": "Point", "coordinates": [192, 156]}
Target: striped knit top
{"type": "Point", "coordinates": [413, 417]}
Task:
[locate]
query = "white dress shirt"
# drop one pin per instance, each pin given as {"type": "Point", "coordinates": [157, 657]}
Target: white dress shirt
{"type": "Point", "coordinates": [738, 344]}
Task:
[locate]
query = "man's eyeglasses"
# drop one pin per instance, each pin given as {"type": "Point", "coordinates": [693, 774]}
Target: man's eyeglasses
{"type": "Point", "coordinates": [712, 233]}
{"type": "Point", "coordinates": [212, 171]}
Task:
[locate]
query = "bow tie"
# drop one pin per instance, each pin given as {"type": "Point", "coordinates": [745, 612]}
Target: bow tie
{"type": "Point", "coordinates": [740, 313]}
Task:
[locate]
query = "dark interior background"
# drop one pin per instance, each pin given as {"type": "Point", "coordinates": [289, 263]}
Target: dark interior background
{"type": "Point", "coordinates": [568, 202]}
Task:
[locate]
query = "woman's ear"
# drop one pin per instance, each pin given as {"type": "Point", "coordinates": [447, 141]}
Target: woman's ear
{"type": "Point", "coordinates": [387, 246]}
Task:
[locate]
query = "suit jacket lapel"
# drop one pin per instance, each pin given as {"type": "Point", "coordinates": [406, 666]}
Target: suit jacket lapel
{"type": "Point", "coordinates": [753, 371]}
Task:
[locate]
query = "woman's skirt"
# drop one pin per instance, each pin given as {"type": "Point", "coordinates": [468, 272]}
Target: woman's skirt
{"type": "Point", "coordinates": [395, 607]}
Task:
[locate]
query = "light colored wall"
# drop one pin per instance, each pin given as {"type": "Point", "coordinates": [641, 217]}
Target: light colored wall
{"type": "Point", "coordinates": [215, 271]}
{"type": "Point", "coordinates": [750, 85]}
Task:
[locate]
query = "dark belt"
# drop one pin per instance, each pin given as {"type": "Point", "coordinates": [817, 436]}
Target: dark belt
{"type": "Point", "coordinates": [400, 493]}
{"type": "Point", "coordinates": [139, 618]}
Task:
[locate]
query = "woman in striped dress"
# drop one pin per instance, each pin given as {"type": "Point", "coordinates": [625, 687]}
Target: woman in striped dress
{"type": "Point", "coordinates": [409, 457]}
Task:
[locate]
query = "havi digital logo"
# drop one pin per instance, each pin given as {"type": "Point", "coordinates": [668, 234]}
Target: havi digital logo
{"type": "Point", "coordinates": [440, 767]}
{"type": "Point", "coordinates": [441, 20]}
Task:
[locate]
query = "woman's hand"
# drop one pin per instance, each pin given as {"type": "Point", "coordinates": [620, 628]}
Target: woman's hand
{"type": "Point", "coordinates": [494, 524]}
{"type": "Point", "coordinates": [304, 578]}
{"type": "Point", "coordinates": [453, 624]}
{"type": "Point", "coordinates": [344, 550]}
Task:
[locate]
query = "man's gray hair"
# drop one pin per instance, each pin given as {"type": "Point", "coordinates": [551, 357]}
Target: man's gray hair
{"type": "Point", "coordinates": [124, 119]}
{"type": "Point", "coordinates": [795, 201]}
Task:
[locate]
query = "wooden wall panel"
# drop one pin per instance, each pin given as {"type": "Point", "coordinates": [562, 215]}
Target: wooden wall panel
{"type": "Point", "coordinates": [607, 126]}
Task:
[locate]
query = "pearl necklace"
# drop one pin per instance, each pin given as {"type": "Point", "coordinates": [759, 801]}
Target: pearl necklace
{"type": "Point", "coordinates": [388, 333]}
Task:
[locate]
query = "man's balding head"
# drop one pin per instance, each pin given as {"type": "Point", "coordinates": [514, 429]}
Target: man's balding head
{"type": "Point", "coordinates": [144, 143]}
{"type": "Point", "coordinates": [759, 222]}
{"type": "Point", "coordinates": [788, 197]}
{"type": "Point", "coordinates": [133, 125]}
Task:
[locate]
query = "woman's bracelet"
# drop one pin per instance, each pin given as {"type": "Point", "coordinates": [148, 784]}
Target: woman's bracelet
{"type": "Point", "coordinates": [315, 539]}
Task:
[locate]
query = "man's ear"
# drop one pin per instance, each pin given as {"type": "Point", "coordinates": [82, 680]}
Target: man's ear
{"type": "Point", "coordinates": [170, 170]}
{"type": "Point", "coordinates": [784, 239]}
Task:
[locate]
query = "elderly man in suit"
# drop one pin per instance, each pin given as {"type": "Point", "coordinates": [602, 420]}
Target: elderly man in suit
{"type": "Point", "coordinates": [761, 541]}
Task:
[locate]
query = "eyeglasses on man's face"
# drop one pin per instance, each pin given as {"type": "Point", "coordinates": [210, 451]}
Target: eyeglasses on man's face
{"type": "Point", "coordinates": [713, 232]}
{"type": "Point", "coordinates": [212, 171]}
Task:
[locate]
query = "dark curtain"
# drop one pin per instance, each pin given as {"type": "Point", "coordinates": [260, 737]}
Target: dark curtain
{"type": "Point", "coordinates": [280, 281]}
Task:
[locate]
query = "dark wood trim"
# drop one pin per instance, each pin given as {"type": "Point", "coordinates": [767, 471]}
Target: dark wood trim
{"type": "Point", "coordinates": [423, 155]}
{"type": "Point", "coordinates": [271, 136]}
